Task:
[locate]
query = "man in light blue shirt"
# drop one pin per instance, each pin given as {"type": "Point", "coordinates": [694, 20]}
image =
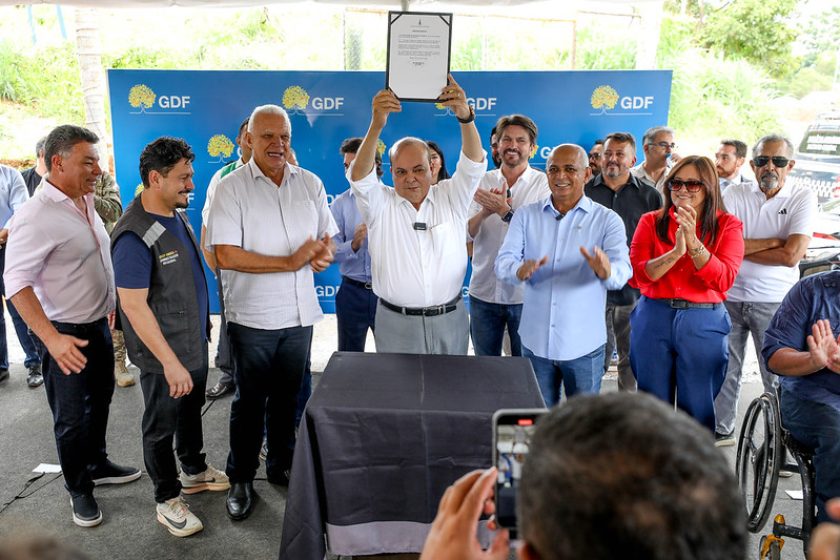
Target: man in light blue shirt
{"type": "Point", "coordinates": [568, 251]}
{"type": "Point", "coordinates": [355, 303]}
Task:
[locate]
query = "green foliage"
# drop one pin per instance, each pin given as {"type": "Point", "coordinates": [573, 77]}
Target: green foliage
{"type": "Point", "coordinates": [46, 79]}
{"type": "Point", "coordinates": [714, 98]}
{"type": "Point", "coordinates": [820, 34]}
{"type": "Point", "coordinates": [754, 30]}
{"type": "Point", "coordinates": [599, 49]}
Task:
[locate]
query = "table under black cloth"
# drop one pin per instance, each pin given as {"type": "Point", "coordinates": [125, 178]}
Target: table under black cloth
{"type": "Point", "coordinates": [383, 436]}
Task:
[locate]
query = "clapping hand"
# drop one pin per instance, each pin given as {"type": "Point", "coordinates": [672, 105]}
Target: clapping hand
{"type": "Point", "coordinates": [823, 346]}
{"type": "Point", "coordinates": [598, 261]}
{"type": "Point", "coordinates": [493, 201]}
{"type": "Point", "coordinates": [529, 267]}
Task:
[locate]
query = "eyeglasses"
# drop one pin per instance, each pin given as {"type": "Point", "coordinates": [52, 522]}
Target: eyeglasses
{"type": "Point", "coordinates": [664, 145]}
{"type": "Point", "coordinates": [691, 186]}
{"type": "Point", "coordinates": [778, 161]}
{"type": "Point", "coordinates": [594, 155]}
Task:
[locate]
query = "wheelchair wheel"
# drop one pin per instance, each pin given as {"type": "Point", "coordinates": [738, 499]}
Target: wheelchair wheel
{"type": "Point", "coordinates": [757, 462]}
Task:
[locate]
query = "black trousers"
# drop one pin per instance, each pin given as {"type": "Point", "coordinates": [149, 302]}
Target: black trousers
{"type": "Point", "coordinates": [166, 418]}
{"type": "Point", "coordinates": [80, 403]}
{"type": "Point", "coordinates": [268, 371]}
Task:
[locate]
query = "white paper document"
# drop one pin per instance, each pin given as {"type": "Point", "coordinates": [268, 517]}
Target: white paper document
{"type": "Point", "coordinates": [418, 54]}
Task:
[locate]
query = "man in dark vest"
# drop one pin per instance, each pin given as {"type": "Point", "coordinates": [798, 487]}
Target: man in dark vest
{"type": "Point", "coordinates": [166, 322]}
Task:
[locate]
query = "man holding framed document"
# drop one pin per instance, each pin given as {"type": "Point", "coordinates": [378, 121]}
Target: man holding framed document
{"type": "Point", "coordinates": [416, 232]}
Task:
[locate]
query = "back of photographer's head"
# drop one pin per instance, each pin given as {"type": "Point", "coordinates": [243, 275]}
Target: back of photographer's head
{"type": "Point", "coordinates": [624, 476]}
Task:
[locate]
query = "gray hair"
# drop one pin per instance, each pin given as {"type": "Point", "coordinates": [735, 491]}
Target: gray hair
{"type": "Point", "coordinates": [39, 146]}
{"type": "Point", "coordinates": [772, 138]}
{"type": "Point", "coordinates": [62, 139]}
{"type": "Point", "coordinates": [268, 110]}
{"type": "Point", "coordinates": [651, 133]}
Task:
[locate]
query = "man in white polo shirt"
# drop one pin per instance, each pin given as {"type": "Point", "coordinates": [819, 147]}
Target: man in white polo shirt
{"type": "Point", "coordinates": [416, 232]}
{"type": "Point", "coordinates": [496, 305]}
{"type": "Point", "coordinates": [778, 224]}
{"type": "Point", "coordinates": [270, 228]}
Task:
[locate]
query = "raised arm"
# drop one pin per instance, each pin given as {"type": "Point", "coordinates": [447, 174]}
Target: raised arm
{"type": "Point", "coordinates": [455, 98]}
{"type": "Point", "coordinates": [384, 103]}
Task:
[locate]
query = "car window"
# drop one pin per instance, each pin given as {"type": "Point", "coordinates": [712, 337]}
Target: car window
{"type": "Point", "coordinates": [821, 142]}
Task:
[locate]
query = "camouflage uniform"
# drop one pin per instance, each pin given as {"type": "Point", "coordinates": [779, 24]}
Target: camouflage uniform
{"type": "Point", "coordinates": [108, 206]}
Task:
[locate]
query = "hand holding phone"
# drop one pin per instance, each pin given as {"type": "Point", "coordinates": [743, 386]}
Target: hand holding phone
{"type": "Point", "coordinates": [512, 431]}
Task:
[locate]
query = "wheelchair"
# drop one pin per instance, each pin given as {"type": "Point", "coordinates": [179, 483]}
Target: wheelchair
{"type": "Point", "coordinates": [760, 456]}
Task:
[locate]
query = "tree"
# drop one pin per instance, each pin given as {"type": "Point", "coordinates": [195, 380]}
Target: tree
{"type": "Point", "coordinates": [755, 30]}
{"type": "Point", "coordinates": [220, 146]}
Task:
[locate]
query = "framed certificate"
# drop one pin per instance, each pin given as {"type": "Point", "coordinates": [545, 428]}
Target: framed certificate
{"type": "Point", "coordinates": [419, 49]}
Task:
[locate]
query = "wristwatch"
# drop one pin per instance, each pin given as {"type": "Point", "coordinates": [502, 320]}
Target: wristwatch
{"type": "Point", "coordinates": [469, 119]}
{"type": "Point", "coordinates": [508, 217]}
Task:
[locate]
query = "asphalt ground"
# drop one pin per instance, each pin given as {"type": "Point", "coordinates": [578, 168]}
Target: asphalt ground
{"type": "Point", "coordinates": [39, 504]}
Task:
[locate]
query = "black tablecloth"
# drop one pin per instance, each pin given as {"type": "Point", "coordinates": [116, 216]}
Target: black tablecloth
{"type": "Point", "coordinates": [382, 438]}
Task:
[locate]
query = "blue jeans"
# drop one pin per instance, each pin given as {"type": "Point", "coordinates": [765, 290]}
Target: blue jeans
{"type": "Point", "coordinates": [816, 425]}
{"type": "Point", "coordinates": [80, 404]}
{"type": "Point", "coordinates": [580, 375]}
{"type": "Point", "coordinates": [680, 354]}
{"type": "Point", "coordinates": [355, 312]}
{"type": "Point", "coordinates": [487, 327]}
{"type": "Point", "coordinates": [269, 366]}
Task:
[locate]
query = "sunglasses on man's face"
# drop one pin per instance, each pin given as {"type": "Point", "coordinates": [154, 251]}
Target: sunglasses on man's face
{"type": "Point", "coordinates": [778, 161]}
{"type": "Point", "coordinates": [691, 185]}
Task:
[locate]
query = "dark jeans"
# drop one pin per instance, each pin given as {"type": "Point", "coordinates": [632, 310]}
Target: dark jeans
{"type": "Point", "coordinates": [579, 375]}
{"type": "Point", "coordinates": [27, 340]}
{"type": "Point", "coordinates": [680, 355]}
{"type": "Point", "coordinates": [355, 311]}
{"type": "Point", "coordinates": [269, 368]}
{"type": "Point", "coordinates": [487, 327]}
{"type": "Point", "coordinates": [816, 425]}
{"type": "Point", "coordinates": [80, 402]}
{"type": "Point", "coordinates": [224, 361]}
{"type": "Point", "coordinates": [166, 418]}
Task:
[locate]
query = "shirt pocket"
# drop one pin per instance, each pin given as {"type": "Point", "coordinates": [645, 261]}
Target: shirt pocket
{"type": "Point", "coordinates": [304, 220]}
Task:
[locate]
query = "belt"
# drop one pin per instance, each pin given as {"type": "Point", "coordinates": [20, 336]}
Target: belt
{"type": "Point", "coordinates": [79, 327]}
{"type": "Point", "coordinates": [363, 285]}
{"type": "Point", "coordinates": [683, 304]}
{"type": "Point", "coordinates": [423, 311]}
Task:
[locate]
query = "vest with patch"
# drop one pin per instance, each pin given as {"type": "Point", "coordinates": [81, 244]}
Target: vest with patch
{"type": "Point", "coordinates": [172, 296]}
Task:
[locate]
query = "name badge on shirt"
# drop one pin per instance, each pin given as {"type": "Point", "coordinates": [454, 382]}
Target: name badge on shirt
{"type": "Point", "coordinates": [168, 258]}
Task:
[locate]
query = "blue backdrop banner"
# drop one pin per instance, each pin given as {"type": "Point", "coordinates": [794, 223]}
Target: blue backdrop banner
{"type": "Point", "coordinates": [205, 108]}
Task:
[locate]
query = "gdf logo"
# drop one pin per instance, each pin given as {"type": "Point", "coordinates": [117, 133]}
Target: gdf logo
{"type": "Point", "coordinates": [143, 98]}
{"type": "Point", "coordinates": [296, 100]}
{"type": "Point", "coordinates": [481, 105]}
{"type": "Point", "coordinates": [220, 147]}
{"type": "Point", "coordinates": [606, 98]}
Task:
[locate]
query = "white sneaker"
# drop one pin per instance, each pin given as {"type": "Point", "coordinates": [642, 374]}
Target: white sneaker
{"type": "Point", "coordinates": [211, 479]}
{"type": "Point", "coordinates": [176, 516]}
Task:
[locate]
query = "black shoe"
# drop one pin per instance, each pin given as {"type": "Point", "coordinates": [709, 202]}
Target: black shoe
{"type": "Point", "coordinates": [110, 473]}
{"type": "Point", "coordinates": [35, 378]}
{"type": "Point", "coordinates": [281, 479]}
{"type": "Point", "coordinates": [86, 511]}
{"type": "Point", "coordinates": [219, 390]}
{"type": "Point", "coordinates": [4, 375]}
{"type": "Point", "coordinates": [240, 500]}
{"type": "Point", "coordinates": [724, 440]}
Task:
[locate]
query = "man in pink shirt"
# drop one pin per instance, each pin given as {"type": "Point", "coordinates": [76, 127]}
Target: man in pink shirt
{"type": "Point", "coordinates": [59, 276]}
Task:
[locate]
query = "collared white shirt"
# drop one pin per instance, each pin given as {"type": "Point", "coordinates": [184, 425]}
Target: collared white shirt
{"type": "Point", "coordinates": [211, 189]}
{"type": "Point", "coordinates": [726, 183]}
{"type": "Point", "coordinates": [63, 254]}
{"type": "Point", "coordinates": [530, 187]}
{"type": "Point", "coordinates": [641, 173]}
{"type": "Point", "coordinates": [791, 211]}
{"type": "Point", "coordinates": [419, 268]}
{"type": "Point", "coordinates": [251, 212]}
